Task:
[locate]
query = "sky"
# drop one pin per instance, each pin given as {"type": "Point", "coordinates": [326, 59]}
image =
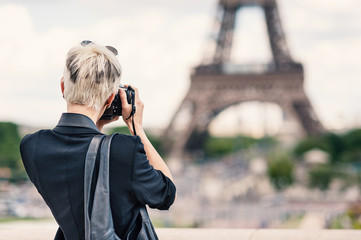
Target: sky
{"type": "Point", "coordinates": [160, 41]}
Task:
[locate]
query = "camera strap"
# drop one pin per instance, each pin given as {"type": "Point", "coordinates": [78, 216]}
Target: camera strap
{"type": "Point", "coordinates": [133, 109]}
{"type": "Point", "coordinates": [135, 133]}
{"type": "Point", "coordinates": [132, 116]}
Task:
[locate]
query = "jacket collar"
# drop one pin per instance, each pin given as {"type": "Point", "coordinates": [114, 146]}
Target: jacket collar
{"type": "Point", "coordinates": [75, 121]}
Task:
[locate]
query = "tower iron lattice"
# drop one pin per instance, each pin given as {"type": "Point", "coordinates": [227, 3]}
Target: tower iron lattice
{"type": "Point", "coordinates": [215, 86]}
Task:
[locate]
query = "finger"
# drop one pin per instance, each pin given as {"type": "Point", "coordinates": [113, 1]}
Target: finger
{"type": "Point", "coordinates": [123, 98]}
{"type": "Point", "coordinates": [136, 91]}
{"type": "Point", "coordinates": [123, 95]}
{"type": "Point", "coordinates": [137, 98]}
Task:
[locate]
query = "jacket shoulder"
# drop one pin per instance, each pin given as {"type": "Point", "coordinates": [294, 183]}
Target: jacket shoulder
{"type": "Point", "coordinates": [125, 141]}
{"type": "Point", "coordinates": [28, 144]}
{"type": "Point", "coordinates": [28, 138]}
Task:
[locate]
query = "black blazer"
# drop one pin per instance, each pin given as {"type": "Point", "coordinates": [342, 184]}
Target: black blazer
{"type": "Point", "coordinates": [54, 160]}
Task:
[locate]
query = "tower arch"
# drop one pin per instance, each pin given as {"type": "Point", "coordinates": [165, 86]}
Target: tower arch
{"type": "Point", "coordinates": [219, 83]}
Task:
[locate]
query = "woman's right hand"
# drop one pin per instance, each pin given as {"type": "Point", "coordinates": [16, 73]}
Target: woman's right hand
{"type": "Point", "coordinates": [127, 109]}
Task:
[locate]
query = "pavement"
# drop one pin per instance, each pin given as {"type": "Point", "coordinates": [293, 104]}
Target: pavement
{"type": "Point", "coordinates": [45, 230]}
{"type": "Point", "coordinates": [28, 230]}
{"type": "Point", "coordinates": [313, 220]}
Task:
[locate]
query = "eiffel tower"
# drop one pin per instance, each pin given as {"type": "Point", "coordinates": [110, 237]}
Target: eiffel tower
{"type": "Point", "coordinates": [215, 86]}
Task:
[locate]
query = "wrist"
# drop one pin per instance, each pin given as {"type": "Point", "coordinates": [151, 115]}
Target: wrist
{"type": "Point", "coordinates": [137, 127]}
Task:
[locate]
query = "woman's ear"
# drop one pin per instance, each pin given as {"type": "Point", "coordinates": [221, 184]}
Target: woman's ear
{"type": "Point", "coordinates": [62, 85]}
{"type": "Point", "coordinates": [109, 100]}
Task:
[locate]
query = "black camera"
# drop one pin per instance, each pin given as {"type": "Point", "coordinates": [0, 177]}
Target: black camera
{"type": "Point", "coordinates": [115, 108]}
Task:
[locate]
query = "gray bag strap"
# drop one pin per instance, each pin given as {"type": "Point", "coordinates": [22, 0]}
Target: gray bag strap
{"type": "Point", "coordinates": [88, 174]}
{"type": "Point", "coordinates": [100, 225]}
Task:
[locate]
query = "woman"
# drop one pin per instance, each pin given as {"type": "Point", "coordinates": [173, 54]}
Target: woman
{"type": "Point", "coordinates": [54, 159]}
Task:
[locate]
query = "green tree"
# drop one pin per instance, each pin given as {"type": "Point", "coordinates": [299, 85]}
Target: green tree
{"type": "Point", "coordinates": [335, 146]}
{"type": "Point", "coordinates": [352, 143]}
{"type": "Point", "coordinates": [218, 146]}
{"type": "Point", "coordinates": [308, 144]}
{"type": "Point", "coordinates": [345, 157]}
{"type": "Point", "coordinates": [280, 170]}
{"type": "Point", "coordinates": [340, 147]}
{"type": "Point", "coordinates": [321, 176]}
{"type": "Point", "coordinates": [9, 150]}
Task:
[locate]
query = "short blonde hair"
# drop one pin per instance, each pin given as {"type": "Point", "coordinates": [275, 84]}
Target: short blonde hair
{"type": "Point", "coordinates": [92, 73]}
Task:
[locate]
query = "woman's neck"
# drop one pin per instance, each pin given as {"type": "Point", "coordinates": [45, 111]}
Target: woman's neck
{"type": "Point", "coordinates": [92, 113]}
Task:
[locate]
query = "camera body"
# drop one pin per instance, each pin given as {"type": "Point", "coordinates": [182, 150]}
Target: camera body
{"type": "Point", "coordinates": [115, 108]}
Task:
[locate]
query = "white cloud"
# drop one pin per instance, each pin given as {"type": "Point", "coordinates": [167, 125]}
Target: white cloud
{"type": "Point", "coordinates": [251, 44]}
{"type": "Point", "coordinates": [159, 41]}
{"type": "Point", "coordinates": [31, 67]}
{"type": "Point", "coordinates": [325, 36]}
{"type": "Point", "coordinates": [153, 51]}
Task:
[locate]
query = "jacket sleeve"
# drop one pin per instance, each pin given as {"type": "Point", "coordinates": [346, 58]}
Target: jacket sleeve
{"type": "Point", "coordinates": [27, 148]}
{"type": "Point", "coordinates": [150, 186]}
